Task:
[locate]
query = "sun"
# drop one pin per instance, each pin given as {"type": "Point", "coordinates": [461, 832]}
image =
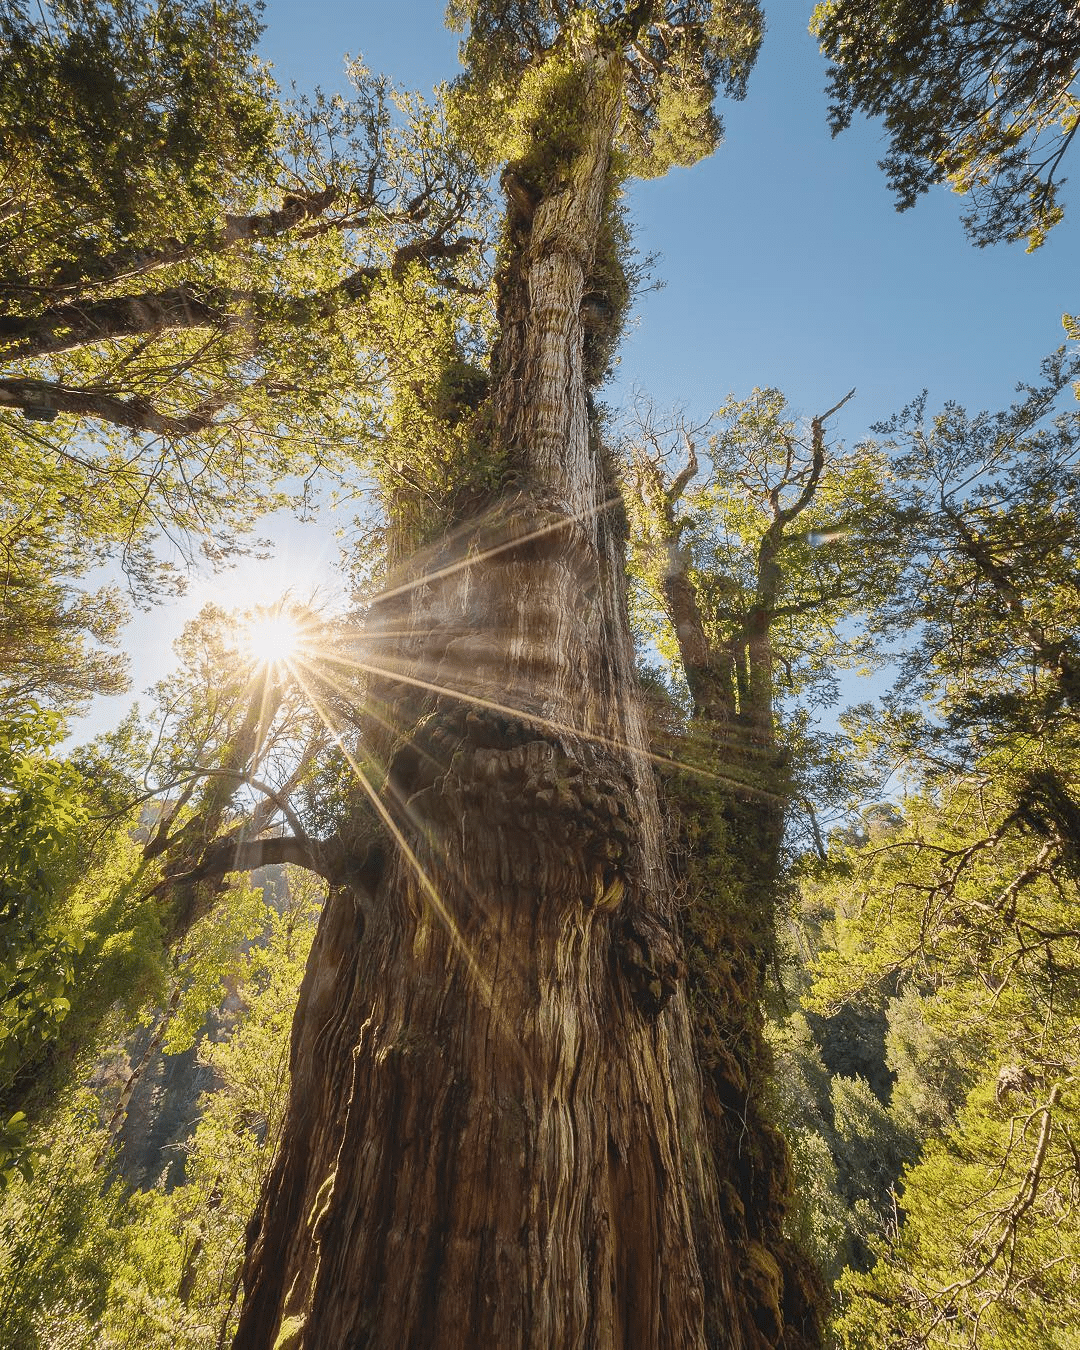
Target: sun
{"type": "Point", "coordinates": [272, 637]}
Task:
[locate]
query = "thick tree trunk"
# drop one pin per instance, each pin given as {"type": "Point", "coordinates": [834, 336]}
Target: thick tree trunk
{"type": "Point", "coordinates": [495, 1135]}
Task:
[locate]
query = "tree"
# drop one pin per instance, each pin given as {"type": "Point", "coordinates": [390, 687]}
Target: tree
{"type": "Point", "coordinates": [169, 230]}
{"type": "Point", "coordinates": [89, 1261]}
{"type": "Point", "coordinates": [42, 813]}
{"type": "Point", "coordinates": [982, 510]}
{"type": "Point", "coordinates": [193, 278]}
{"type": "Point", "coordinates": [233, 725]}
{"type": "Point", "coordinates": [102, 899]}
{"type": "Point", "coordinates": [495, 1133]}
{"type": "Point", "coordinates": [971, 912]}
{"type": "Point", "coordinates": [980, 96]}
{"type": "Point", "coordinates": [746, 564]}
{"type": "Point", "coordinates": [958, 917]}
{"type": "Point", "coordinates": [745, 576]}
{"type": "Point", "coordinates": [745, 572]}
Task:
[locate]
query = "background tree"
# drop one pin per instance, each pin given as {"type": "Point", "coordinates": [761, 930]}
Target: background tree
{"type": "Point", "coordinates": [980, 96]}
{"type": "Point", "coordinates": [747, 577]}
{"type": "Point", "coordinates": [88, 1260]}
{"type": "Point", "coordinates": [237, 740]}
{"type": "Point", "coordinates": [961, 908]}
{"type": "Point", "coordinates": [746, 564]}
{"type": "Point", "coordinates": [189, 270]}
{"type": "Point", "coordinates": [955, 920]}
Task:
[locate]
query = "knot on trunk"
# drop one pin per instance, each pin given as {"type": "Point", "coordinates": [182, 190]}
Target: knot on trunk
{"type": "Point", "coordinates": [650, 957]}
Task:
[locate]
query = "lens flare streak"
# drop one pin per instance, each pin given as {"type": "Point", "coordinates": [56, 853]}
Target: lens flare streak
{"type": "Point", "coordinates": [427, 885]}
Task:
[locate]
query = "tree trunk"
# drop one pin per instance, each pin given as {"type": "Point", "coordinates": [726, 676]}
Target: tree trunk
{"type": "Point", "coordinates": [730, 860]}
{"type": "Point", "coordinates": [495, 1135]}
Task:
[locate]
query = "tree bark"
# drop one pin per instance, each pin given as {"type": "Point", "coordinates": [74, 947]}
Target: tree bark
{"type": "Point", "coordinates": [495, 1135]}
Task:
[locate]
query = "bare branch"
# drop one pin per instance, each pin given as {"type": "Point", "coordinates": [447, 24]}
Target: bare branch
{"type": "Point", "coordinates": [248, 855]}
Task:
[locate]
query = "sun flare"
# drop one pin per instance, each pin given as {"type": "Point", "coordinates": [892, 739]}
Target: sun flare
{"type": "Point", "coordinates": [272, 637]}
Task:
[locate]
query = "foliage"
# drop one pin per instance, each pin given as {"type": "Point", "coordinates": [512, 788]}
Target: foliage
{"type": "Point", "coordinates": [59, 1235]}
{"type": "Point", "coordinates": [987, 1255]}
{"type": "Point", "coordinates": [848, 1148]}
{"type": "Point", "coordinates": [982, 96]}
{"type": "Point", "coordinates": [42, 816]}
{"type": "Point", "coordinates": [800, 1088]}
{"type": "Point", "coordinates": [219, 265]}
{"type": "Point", "coordinates": [212, 958]}
{"type": "Point", "coordinates": [189, 268]}
{"type": "Point", "coordinates": [57, 641]}
{"type": "Point", "coordinates": [931, 1066]}
{"type": "Point", "coordinates": [84, 1263]}
{"type": "Point", "coordinates": [88, 949]}
{"type": "Point", "coordinates": [119, 121]}
{"type": "Point", "coordinates": [673, 59]}
{"type": "Point", "coordinates": [242, 1120]}
{"type": "Point", "coordinates": [939, 927]}
{"type": "Point", "coordinates": [968, 903]}
{"type": "Point", "coordinates": [434, 462]}
{"type": "Point", "coordinates": [983, 510]}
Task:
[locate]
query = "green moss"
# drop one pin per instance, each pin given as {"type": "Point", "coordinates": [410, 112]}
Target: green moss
{"type": "Point", "coordinates": [728, 929]}
{"type": "Point", "coordinates": [288, 1338]}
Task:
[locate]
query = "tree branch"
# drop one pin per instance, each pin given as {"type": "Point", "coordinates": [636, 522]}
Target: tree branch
{"type": "Point", "coordinates": [232, 855]}
{"type": "Point", "coordinates": [62, 328]}
{"type": "Point", "coordinates": [41, 400]}
{"type": "Point", "coordinates": [111, 268]}
{"type": "Point", "coordinates": [66, 327]}
{"type": "Point", "coordinates": [686, 476]}
{"type": "Point", "coordinates": [1025, 1198]}
{"type": "Point", "coordinates": [241, 777]}
{"type": "Point", "coordinates": [817, 465]}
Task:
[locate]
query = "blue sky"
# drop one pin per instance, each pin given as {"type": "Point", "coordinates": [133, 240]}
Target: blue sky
{"type": "Point", "coordinates": [783, 260]}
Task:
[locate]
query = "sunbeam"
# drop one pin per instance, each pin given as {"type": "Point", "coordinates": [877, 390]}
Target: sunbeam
{"type": "Point", "coordinates": [427, 885]}
{"type": "Point", "coordinates": [454, 933]}
{"type": "Point", "coordinates": [507, 546]}
{"type": "Point", "coordinates": [562, 728]}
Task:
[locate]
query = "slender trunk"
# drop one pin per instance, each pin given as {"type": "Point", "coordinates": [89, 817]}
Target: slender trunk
{"type": "Point", "coordinates": [731, 860]}
{"type": "Point", "coordinates": [192, 898]}
{"type": "Point", "coordinates": [709, 669]}
{"type": "Point", "coordinates": [120, 1110]}
{"type": "Point", "coordinates": [495, 1135]}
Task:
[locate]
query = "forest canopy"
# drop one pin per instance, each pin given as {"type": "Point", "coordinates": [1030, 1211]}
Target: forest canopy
{"type": "Point", "coordinates": [532, 948]}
